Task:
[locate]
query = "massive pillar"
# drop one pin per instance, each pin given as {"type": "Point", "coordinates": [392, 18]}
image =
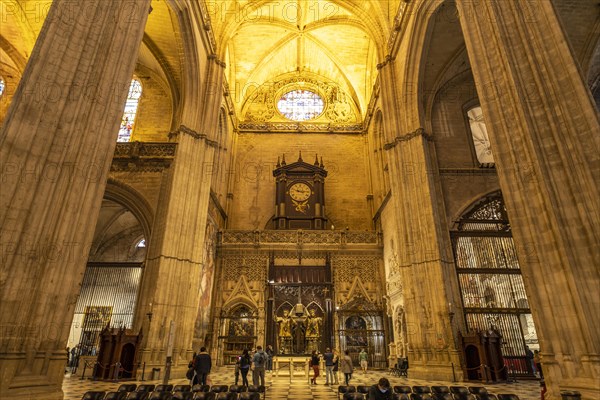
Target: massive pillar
{"type": "Point", "coordinates": [423, 264]}
{"type": "Point", "coordinates": [176, 260]}
{"type": "Point", "coordinates": [544, 131]}
{"type": "Point", "coordinates": [56, 147]}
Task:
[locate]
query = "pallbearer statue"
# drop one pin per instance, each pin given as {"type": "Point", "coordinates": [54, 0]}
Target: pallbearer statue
{"type": "Point", "coordinates": [313, 331]}
{"type": "Point", "coordinates": [285, 332]}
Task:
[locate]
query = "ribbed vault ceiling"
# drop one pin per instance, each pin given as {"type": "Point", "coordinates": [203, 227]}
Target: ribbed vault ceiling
{"type": "Point", "coordinates": [340, 40]}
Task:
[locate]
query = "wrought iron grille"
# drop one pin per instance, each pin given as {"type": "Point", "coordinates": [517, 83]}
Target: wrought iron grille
{"type": "Point", "coordinates": [108, 297]}
{"type": "Point", "coordinates": [490, 281]}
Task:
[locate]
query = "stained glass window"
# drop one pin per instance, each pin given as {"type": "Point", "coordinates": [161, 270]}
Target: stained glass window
{"type": "Point", "coordinates": [131, 106]}
{"type": "Point", "coordinates": [2, 86]}
{"type": "Point", "coordinates": [300, 105]}
{"type": "Point", "coordinates": [141, 243]}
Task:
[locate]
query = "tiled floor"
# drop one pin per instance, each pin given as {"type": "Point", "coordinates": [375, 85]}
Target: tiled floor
{"type": "Point", "coordinates": [279, 388]}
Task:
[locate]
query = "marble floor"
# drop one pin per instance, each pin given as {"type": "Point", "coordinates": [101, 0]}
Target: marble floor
{"type": "Point", "coordinates": [279, 388]}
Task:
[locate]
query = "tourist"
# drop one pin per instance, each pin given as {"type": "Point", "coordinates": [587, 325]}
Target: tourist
{"type": "Point", "coordinates": [202, 365]}
{"type": "Point", "coordinates": [347, 367]}
{"type": "Point", "coordinates": [362, 358]}
{"type": "Point", "coordinates": [270, 354]}
{"type": "Point", "coordinates": [244, 364]}
{"type": "Point", "coordinates": [538, 363]}
{"type": "Point", "coordinates": [336, 362]}
{"type": "Point", "coordinates": [381, 391]}
{"type": "Point", "coordinates": [314, 363]}
{"type": "Point", "coordinates": [259, 361]}
{"type": "Point", "coordinates": [328, 358]}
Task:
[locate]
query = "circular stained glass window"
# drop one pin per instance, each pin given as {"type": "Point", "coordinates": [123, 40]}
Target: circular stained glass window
{"type": "Point", "coordinates": [300, 105]}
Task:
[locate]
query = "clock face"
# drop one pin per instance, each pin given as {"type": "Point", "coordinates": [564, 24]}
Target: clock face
{"type": "Point", "coordinates": [300, 191]}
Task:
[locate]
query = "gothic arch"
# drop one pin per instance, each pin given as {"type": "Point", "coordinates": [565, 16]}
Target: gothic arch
{"type": "Point", "coordinates": [134, 202]}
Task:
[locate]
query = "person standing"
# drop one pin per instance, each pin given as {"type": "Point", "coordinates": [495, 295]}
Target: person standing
{"type": "Point", "coordinates": [270, 354]}
{"type": "Point", "coordinates": [328, 358]}
{"type": "Point", "coordinates": [336, 363]}
{"type": "Point", "coordinates": [347, 367]}
{"type": "Point", "coordinates": [538, 363]}
{"type": "Point", "coordinates": [259, 360]}
{"type": "Point", "coordinates": [529, 356]}
{"type": "Point", "coordinates": [362, 358]}
{"type": "Point", "coordinates": [381, 391]}
{"type": "Point", "coordinates": [202, 365]}
{"type": "Point", "coordinates": [314, 363]}
{"type": "Point", "coordinates": [244, 365]}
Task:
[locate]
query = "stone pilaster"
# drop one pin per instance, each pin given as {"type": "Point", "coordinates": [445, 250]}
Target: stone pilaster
{"type": "Point", "coordinates": [175, 263]}
{"type": "Point", "coordinates": [56, 147]}
{"type": "Point", "coordinates": [423, 268]}
{"type": "Point", "coordinates": [544, 133]}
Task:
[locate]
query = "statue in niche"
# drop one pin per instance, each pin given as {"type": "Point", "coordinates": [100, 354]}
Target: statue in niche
{"type": "Point", "coordinates": [298, 337]}
{"type": "Point", "coordinates": [285, 332]}
{"type": "Point", "coordinates": [401, 333]}
{"type": "Point", "coordinates": [313, 331]}
{"type": "Point", "coordinates": [313, 325]}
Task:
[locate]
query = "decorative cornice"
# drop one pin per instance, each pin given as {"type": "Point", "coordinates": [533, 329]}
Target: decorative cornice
{"type": "Point", "coordinates": [188, 131]}
{"type": "Point", "coordinates": [407, 137]}
{"type": "Point", "coordinates": [395, 34]}
{"type": "Point", "coordinates": [298, 127]}
{"type": "Point", "coordinates": [143, 156]}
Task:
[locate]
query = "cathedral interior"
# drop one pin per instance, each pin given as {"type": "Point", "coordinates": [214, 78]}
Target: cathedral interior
{"type": "Point", "coordinates": [417, 178]}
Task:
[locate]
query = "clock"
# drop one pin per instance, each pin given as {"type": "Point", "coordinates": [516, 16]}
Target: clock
{"type": "Point", "coordinates": [299, 195]}
{"type": "Point", "coordinates": [300, 191]}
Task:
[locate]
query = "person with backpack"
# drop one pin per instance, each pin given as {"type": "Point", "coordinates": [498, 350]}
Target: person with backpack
{"type": "Point", "coordinates": [328, 358]}
{"type": "Point", "coordinates": [244, 366]}
{"type": "Point", "coordinates": [259, 360]}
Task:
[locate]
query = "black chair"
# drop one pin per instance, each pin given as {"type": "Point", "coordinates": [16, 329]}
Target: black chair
{"type": "Point", "coordinates": [201, 388]}
{"type": "Point", "coordinates": [145, 388]}
{"type": "Point", "coordinates": [93, 396]}
{"type": "Point", "coordinates": [205, 396]}
{"type": "Point", "coordinates": [256, 388]}
{"type": "Point", "coordinates": [420, 396]}
{"type": "Point", "coordinates": [400, 396]}
{"type": "Point", "coordinates": [459, 392]}
{"type": "Point", "coordinates": [160, 396]}
{"type": "Point", "coordinates": [238, 388]}
{"type": "Point", "coordinates": [163, 388]}
{"type": "Point", "coordinates": [346, 389]}
{"type": "Point", "coordinates": [363, 389]}
{"type": "Point", "coordinates": [354, 396]}
{"type": "Point", "coordinates": [219, 388]}
{"type": "Point", "coordinates": [116, 395]}
{"type": "Point", "coordinates": [486, 396]}
{"type": "Point", "coordinates": [509, 396]}
{"type": "Point", "coordinates": [227, 396]}
{"type": "Point", "coordinates": [183, 395]}
{"type": "Point", "coordinates": [129, 387]}
{"type": "Point", "coordinates": [138, 395]}
{"type": "Point", "coordinates": [402, 389]}
{"type": "Point", "coordinates": [421, 389]}
{"type": "Point", "coordinates": [439, 392]}
{"type": "Point", "coordinates": [249, 396]}
{"type": "Point", "coordinates": [477, 390]}
{"type": "Point", "coordinates": [182, 388]}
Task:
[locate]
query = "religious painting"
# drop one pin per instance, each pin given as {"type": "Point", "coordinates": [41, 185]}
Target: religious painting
{"type": "Point", "coordinates": [97, 317]}
{"type": "Point", "coordinates": [206, 283]}
{"type": "Point", "coordinates": [356, 329]}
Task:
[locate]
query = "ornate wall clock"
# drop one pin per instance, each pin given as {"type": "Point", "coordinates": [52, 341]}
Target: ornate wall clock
{"type": "Point", "coordinates": [299, 195]}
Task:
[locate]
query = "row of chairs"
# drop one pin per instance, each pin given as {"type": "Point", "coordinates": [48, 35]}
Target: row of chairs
{"type": "Point", "coordinates": [178, 392]}
{"type": "Point", "coordinates": [428, 393]}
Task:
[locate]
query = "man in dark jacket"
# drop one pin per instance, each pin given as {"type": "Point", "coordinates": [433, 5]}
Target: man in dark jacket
{"type": "Point", "coordinates": [381, 391]}
{"type": "Point", "coordinates": [202, 364]}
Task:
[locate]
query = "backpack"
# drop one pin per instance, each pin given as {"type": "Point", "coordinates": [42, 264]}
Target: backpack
{"type": "Point", "coordinates": [260, 361]}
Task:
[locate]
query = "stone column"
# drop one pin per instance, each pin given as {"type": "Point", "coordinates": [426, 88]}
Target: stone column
{"type": "Point", "coordinates": [425, 271]}
{"type": "Point", "coordinates": [544, 132]}
{"type": "Point", "coordinates": [56, 147]}
{"type": "Point", "coordinates": [176, 260]}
